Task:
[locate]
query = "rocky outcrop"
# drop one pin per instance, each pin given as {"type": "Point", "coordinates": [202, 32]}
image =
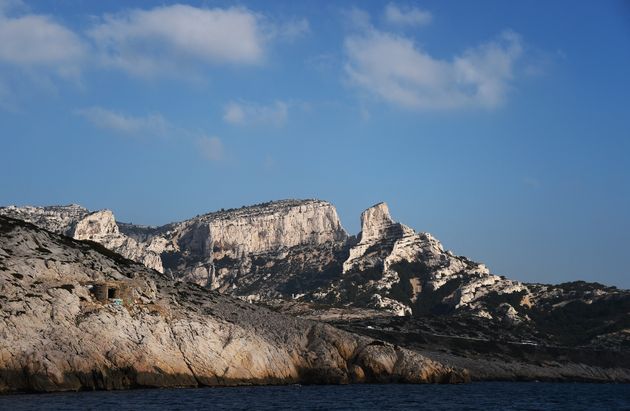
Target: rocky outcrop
{"type": "Point", "coordinates": [58, 219]}
{"type": "Point", "coordinates": [488, 352]}
{"type": "Point", "coordinates": [379, 234]}
{"type": "Point", "coordinates": [59, 333]}
{"type": "Point", "coordinates": [393, 268]}
{"type": "Point", "coordinates": [99, 226]}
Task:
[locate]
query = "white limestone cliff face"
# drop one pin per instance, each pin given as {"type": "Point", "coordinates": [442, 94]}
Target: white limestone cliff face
{"type": "Point", "coordinates": [281, 224]}
{"type": "Point", "coordinates": [248, 232]}
{"type": "Point", "coordinates": [95, 225]}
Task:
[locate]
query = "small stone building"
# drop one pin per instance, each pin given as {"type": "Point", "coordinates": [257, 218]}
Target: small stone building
{"type": "Point", "coordinates": [105, 291]}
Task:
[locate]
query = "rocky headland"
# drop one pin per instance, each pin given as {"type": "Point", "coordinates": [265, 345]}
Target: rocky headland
{"type": "Point", "coordinates": [389, 286]}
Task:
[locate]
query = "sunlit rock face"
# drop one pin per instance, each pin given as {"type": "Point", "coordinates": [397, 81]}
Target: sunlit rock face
{"type": "Point", "coordinates": [379, 234]}
{"type": "Point", "coordinates": [221, 249]}
{"type": "Point", "coordinates": [395, 269]}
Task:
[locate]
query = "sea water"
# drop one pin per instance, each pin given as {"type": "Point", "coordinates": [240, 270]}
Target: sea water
{"type": "Point", "coordinates": [483, 396]}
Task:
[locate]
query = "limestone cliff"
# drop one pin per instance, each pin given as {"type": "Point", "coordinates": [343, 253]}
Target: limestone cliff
{"type": "Point", "coordinates": [74, 315]}
{"type": "Point", "coordinates": [218, 249]}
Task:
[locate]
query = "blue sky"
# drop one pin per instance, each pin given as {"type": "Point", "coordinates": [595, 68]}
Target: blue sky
{"type": "Point", "coordinates": [503, 128]}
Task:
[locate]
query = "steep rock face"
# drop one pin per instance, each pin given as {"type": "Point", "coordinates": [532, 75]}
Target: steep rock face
{"type": "Point", "coordinates": [95, 225]}
{"type": "Point", "coordinates": [101, 227]}
{"type": "Point", "coordinates": [221, 249]}
{"type": "Point", "coordinates": [56, 333]}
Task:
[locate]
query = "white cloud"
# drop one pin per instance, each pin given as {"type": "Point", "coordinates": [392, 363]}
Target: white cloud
{"type": "Point", "coordinates": [211, 148]}
{"type": "Point", "coordinates": [125, 124]}
{"type": "Point", "coordinates": [146, 41]}
{"type": "Point", "coordinates": [410, 16]}
{"type": "Point", "coordinates": [275, 114]}
{"type": "Point", "coordinates": [393, 68]}
{"type": "Point", "coordinates": [39, 41]}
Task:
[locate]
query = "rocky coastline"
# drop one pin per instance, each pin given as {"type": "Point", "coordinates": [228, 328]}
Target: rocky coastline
{"type": "Point", "coordinates": [280, 293]}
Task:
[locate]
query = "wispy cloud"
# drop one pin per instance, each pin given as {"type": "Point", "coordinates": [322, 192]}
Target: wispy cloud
{"type": "Point", "coordinates": [241, 113]}
{"type": "Point", "coordinates": [36, 52]}
{"type": "Point", "coordinates": [395, 69]}
{"type": "Point", "coordinates": [163, 38]}
{"type": "Point", "coordinates": [407, 16]}
{"type": "Point", "coordinates": [37, 41]}
{"type": "Point", "coordinates": [153, 124]}
{"type": "Point", "coordinates": [211, 148]}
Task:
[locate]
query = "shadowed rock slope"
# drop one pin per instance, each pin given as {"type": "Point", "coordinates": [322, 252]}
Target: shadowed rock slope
{"type": "Point", "coordinates": [58, 331]}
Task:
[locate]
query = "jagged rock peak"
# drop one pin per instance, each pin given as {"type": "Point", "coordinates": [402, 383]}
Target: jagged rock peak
{"type": "Point", "coordinates": [374, 219]}
{"type": "Point", "coordinates": [379, 233]}
{"type": "Point", "coordinates": [377, 224]}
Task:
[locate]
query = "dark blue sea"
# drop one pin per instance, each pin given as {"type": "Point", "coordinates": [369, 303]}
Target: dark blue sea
{"type": "Point", "coordinates": [477, 396]}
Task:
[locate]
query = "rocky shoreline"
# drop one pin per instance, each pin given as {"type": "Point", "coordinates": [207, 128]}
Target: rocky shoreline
{"type": "Point", "coordinates": [279, 293]}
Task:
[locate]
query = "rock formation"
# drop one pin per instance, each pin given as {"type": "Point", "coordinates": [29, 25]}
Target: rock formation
{"type": "Point", "coordinates": [100, 226]}
{"type": "Point", "coordinates": [390, 282]}
{"type": "Point", "coordinates": [393, 268]}
{"type": "Point", "coordinates": [298, 250]}
{"type": "Point", "coordinates": [59, 333]}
